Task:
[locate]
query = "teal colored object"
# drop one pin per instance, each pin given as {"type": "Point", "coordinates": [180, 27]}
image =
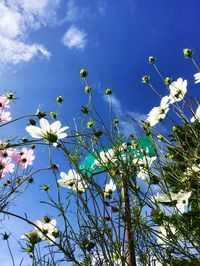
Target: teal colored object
{"type": "Point", "coordinates": [145, 147]}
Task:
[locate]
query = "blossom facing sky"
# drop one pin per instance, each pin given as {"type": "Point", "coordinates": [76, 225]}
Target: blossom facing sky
{"type": "Point", "coordinates": [178, 90]}
{"type": "Point", "coordinates": [197, 77]}
{"type": "Point", "coordinates": [51, 133]}
{"type": "Point", "coordinates": [73, 181]}
{"type": "Point", "coordinates": [6, 167]}
{"type": "Point", "coordinates": [197, 115]}
{"type": "Point", "coordinates": [165, 233]}
{"type": "Point", "coordinates": [48, 228]}
{"type": "Point", "coordinates": [144, 166]}
{"type": "Point", "coordinates": [23, 158]}
{"type": "Point", "coordinates": [109, 189]}
{"type": "Point", "coordinates": [105, 157]}
{"type": "Point", "coordinates": [181, 199]}
{"type": "Point", "coordinates": [157, 114]}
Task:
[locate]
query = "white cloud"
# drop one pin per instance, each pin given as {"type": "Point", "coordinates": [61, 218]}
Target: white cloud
{"type": "Point", "coordinates": [13, 51]}
{"type": "Point", "coordinates": [74, 38]}
{"type": "Point", "coordinates": [73, 13]}
{"type": "Point", "coordinates": [116, 104]}
{"type": "Point", "coordinates": [128, 119]}
{"type": "Point", "coordinates": [17, 18]}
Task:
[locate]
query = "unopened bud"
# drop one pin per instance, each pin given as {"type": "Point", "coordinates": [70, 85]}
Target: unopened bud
{"type": "Point", "coordinates": [187, 53]}
{"type": "Point", "coordinates": [88, 89]}
{"type": "Point", "coordinates": [59, 99]}
{"type": "Point", "coordinates": [83, 73]}
{"type": "Point", "coordinates": [168, 80]}
{"type": "Point", "coordinates": [152, 59]}
{"type": "Point", "coordinates": [108, 91]}
{"type": "Point", "coordinates": [145, 79]}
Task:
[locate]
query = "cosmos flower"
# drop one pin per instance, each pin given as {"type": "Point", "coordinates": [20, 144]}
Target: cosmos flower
{"type": "Point", "coordinates": [180, 199]}
{"type": "Point", "coordinates": [51, 133]}
{"type": "Point", "coordinates": [197, 115]}
{"type": "Point", "coordinates": [34, 237]}
{"type": "Point", "coordinates": [109, 189]}
{"type": "Point", "coordinates": [73, 181]}
{"type": "Point", "coordinates": [165, 233]}
{"type": "Point", "coordinates": [105, 158]}
{"type": "Point", "coordinates": [143, 166]}
{"type": "Point", "coordinates": [24, 158]}
{"type": "Point", "coordinates": [48, 228]}
{"type": "Point", "coordinates": [178, 90]}
{"type": "Point", "coordinates": [5, 116]}
{"type": "Point", "coordinates": [157, 114]}
{"type": "Point", "coordinates": [197, 77]}
{"type": "Point", "coordinates": [6, 167]}
{"type": "Point", "coordinates": [4, 102]}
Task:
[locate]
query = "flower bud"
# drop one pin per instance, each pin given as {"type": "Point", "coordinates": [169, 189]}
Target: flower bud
{"type": "Point", "coordinates": [33, 146]}
{"type": "Point", "coordinates": [98, 133]}
{"type": "Point", "coordinates": [90, 124]}
{"type": "Point", "coordinates": [114, 209]}
{"type": "Point", "coordinates": [83, 73]}
{"type": "Point", "coordinates": [52, 115]}
{"type": "Point", "coordinates": [46, 219]}
{"type": "Point", "coordinates": [115, 121]}
{"type": "Point", "coordinates": [145, 79]}
{"type": "Point", "coordinates": [169, 155]}
{"type": "Point", "coordinates": [54, 166]}
{"type": "Point", "coordinates": [168, 80]}
{"type": "Point", "coordinates": [187, 53]}
{"type": "Point", "coordinates": [59, 99]}
{"type": "Point", "coordinates": [10, 96]}
{"type": "Point", "coordinates": [160, 137]}
{"type": "Point", "coordinates": [40, 115]}
{"type": "Point", "coordinates": [31, 180]}
{"type": "Point", "coordinates": [84, 110]}
{"type": "Point", "coordinates": [5, 236]}
{"type": "Point", "coordinates": [29, 248]}
{"type": "Point", "coordinates": [32, 122]}
{"type": "Point", "coordinates": [88, 89]}
{"type": "Point", "coordinates": [174, 128]}
{"type": "Point", "coordinates": [45, 187]}
{"type": "Point", "coordinates": [152, 59]}
{"type": "Point", "coordinates": [108, 91]}
{"type": "Point", "coordinates": [55, 234]}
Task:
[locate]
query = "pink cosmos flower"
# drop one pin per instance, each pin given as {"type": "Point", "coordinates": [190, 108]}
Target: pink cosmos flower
{"type": "Point", "coordinates": [24, 158]}
{"type": "Point", "coordinates": [6, 167]}
{"type": "Point", "coordinates": [5, 116]}
{"type": "Point", "coordinates": [4, 102]}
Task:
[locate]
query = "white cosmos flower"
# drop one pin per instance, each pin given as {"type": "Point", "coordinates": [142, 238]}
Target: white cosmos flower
{"type": "Point", "coordinates": [144, 166]}
{"type": "Point", "coordinates": [197, 115]}
{"type": "Point", "coordinates": [48, 132]}
{"type": "Point", "coordinates": [178, 90]}
{"type": "Point", "coordinates": [105, 158]}
{"type": "Point", "coordinates": [73, 181]}
{"type": "Point", "coordinates": [197, 77]}
{"type": "Point", "coordinates": [157, 114]}
{"type": "Point", "coordinates": [48, 229]}
{"type": "Point", "coordinates": [181, 199]}
{"type": "Point", "coordinates": [109, 189]}
{"type": "Point", "coordinates": [165, 233]}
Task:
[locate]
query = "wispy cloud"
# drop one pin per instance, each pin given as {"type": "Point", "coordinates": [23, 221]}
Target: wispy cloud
{"type": "Point", "coordinates": [74, 38]}
{"type": "Point", "coordinates": [127, 117]}
{"type": "Point", "coordinates": [73, 12]}
{"type": "Point", "coordinates": [17, 18]}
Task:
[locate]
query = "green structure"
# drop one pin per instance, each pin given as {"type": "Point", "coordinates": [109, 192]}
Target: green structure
{"type": "Point", "coordinates": [142, 148]}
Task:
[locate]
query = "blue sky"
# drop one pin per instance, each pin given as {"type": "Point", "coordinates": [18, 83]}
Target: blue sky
{"type": "Point", "coordinates": [44, 44]}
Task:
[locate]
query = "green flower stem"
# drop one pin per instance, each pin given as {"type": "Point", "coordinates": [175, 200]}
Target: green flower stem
{"type": "Point", "coordinates": [196, 65]}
